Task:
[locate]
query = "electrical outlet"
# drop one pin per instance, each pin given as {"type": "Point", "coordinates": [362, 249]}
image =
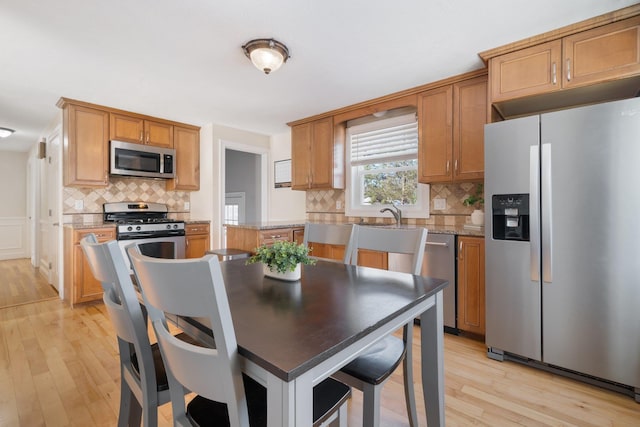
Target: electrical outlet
{"type": "Point", "coordinates": [338, 204]}
{"type": "Point", "coordinates": [187, 206]}
{"type": "Point", "coordinates": [439, 204]}
{"type": "Point", "coordinates": [78, 205]}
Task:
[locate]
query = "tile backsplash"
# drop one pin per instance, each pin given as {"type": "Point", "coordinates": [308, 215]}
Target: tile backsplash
{"type": "Point", "coordinates": [120, 190]}
{"type": "Point", "coordinates": [321, 206]}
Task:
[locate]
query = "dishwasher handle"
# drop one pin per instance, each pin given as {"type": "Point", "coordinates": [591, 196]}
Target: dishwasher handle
{"type": "Point", "coordinates": [445, 244]}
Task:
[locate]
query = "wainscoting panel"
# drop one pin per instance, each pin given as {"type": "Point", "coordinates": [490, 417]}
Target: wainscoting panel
{"type": "Point", "coordinates": [13, 238]}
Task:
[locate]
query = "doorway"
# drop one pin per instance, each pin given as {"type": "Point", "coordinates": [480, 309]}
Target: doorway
{"type": "Point", "coordinates": [245, 184]}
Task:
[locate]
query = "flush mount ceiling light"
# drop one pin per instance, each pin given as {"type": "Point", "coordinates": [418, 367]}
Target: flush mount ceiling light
{"type": "Point", "coordinates": [266, 54]}
{"type": "Point", "coordinates": [5, 132]}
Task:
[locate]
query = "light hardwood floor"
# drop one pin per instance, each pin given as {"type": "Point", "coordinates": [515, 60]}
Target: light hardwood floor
{"type": "Point", "coordinates": [20, 283]}
{"type": "Point", "coordinates": [59, 367]}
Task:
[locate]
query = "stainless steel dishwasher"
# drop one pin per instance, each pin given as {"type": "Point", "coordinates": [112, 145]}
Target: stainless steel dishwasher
{"type": "Point", "coordinates": [439, 262]}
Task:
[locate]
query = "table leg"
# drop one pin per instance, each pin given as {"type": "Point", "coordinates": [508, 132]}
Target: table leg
{"type": "Point", "coordinates": [432, 345]}
{"type": "Point", "coordinates": [289, 403]}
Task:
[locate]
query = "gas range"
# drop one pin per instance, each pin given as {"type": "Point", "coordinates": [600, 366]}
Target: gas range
{"type": "Point", "coordinates": [140, 220]}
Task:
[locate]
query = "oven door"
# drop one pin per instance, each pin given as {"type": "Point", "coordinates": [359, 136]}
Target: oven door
{"type": "Point", "coordinates": [157, 247]}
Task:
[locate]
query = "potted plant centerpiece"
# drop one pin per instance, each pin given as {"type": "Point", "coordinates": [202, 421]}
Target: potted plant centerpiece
{"type": "Point", "coordinates": [282, 260]}
{"type": "Point", "coordinates": [477, 201]}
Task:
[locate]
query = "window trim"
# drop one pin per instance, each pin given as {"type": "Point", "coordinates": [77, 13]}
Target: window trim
{"type": "Point", "coordinates": [420, 210]}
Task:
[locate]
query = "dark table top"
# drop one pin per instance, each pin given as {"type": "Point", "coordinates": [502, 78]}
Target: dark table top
{"type": "Point", "coordinates": [290, 327]}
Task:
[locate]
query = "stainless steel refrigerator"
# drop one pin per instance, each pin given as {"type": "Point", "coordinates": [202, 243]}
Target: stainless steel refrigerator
{"type": "Point", "coordinates": [562, 221]}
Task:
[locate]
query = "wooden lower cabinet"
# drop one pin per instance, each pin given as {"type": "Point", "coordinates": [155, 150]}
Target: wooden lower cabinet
{"type": "Point", "coordinates": [248, 239]}
{"type": "Point", "coordinates": [366, 258]}
{"type": "Point", "coordinates": [197, 240]}
{"type": "Point", "coordinates": [79, 284]}
{"type": "Point", "coordinates": [471, 294]}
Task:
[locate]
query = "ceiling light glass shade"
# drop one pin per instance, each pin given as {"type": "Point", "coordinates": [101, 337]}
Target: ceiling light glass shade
{"type": "Point", "coordinates": [266, 54]}
{"type": "Point", "coordinates": [5, 132]}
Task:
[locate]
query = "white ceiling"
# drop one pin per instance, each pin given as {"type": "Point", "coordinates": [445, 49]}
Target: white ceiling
{"type": "Point", "coordinates": [181, 59]}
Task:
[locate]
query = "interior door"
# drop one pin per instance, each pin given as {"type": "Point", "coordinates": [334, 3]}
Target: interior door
{"type": "Point", "coordinates": [53, 188]}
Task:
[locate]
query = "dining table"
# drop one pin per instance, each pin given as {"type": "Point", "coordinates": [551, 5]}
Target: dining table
{"type": "Point", "coordinates": [293, 335]}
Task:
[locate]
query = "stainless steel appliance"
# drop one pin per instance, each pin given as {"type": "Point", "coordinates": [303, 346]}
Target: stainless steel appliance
{"type": "Point", "coordinates": [440, 262]}
{"type": "Point", "coordinates": [141, 160]}
{"type": "Point", "coordinates": [562, 267]}
{"type": "Point", "coordinates": [147, 225]}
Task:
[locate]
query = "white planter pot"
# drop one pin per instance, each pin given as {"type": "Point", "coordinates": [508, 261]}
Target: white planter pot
{"type": "Point", "coordinates": [289, 276]}
{"type": "Point", "coordinates": [477, 217]}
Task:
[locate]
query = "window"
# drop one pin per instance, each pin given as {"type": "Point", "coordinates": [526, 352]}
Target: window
{"type": "Point", "coordinates": [382, 168]}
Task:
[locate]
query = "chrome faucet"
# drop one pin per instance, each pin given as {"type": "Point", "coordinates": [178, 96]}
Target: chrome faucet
{"type": "Point", "coordinates": [397, 213]}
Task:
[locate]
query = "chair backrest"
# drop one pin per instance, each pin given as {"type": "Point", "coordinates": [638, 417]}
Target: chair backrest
{"type": "Point", "coordinates": [410, 241]}
{"type": "Point", "coordinates": [331, 234]}
{"type": "Point", "coordinates": [108, 265]}
{"type": "Point", "coordinates": [193, 288]}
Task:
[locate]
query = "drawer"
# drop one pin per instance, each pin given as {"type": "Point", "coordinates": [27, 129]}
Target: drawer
{"type": "Point", "coordinates": [196, 229]}
{"type": "Point", "coordinates": [103, 234]}
{"type": "Point", "coordinates": [269, 237]}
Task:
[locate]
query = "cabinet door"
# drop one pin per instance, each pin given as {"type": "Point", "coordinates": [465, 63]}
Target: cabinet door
{"type": "Point", "coordinates": [86, 147]}
{"type": "Point", "coordinates": [300, 156]}
{"type": "Point", "coordinates": [196, 245]}
{"type": "Point", "coordinates": [605, 53]}
{"type": "Point", "coordinates": [469, 118]}
{"type": "Point", "coordinates": [322, 154]}
{"type": "Point", "coordinates": [86, 287]}
{"type": "Point", "coordinates": [531, 71]}
{"type": "Point", "coordinates": [158, 134]}
{"type": "Point", "coordinates": [435, 135]}
{"type": "Point", "coordinates": [471, 294]}
{"type": "Point", "coordinates": [126, 128]}
{"type": "Point", "coordinates": [187, 146]}
{"type": "Point", "coordinates": [375, 259]}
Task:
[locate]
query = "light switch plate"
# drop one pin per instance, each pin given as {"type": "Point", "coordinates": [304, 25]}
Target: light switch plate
{"type": "Point", "coordinates": [187, 206]}
{"type": "Point", "coordinates": [439, 204]}
{"type": "Point", "coordinates": [78, 205]}
{"type": "Point", "coordinates": [338, 204]}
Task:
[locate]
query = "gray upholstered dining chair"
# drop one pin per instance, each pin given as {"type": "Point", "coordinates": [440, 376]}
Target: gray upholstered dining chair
{"type": "Point", "coordinates": [143, 379]}
{"type": "Point", "coordinates": [369, 371]}
{"type": "Point", "coordinates": [330, 234]}
{"type": "Point", "coordinates": [224, 395]}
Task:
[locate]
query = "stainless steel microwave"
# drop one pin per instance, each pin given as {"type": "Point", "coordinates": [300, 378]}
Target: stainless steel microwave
{"type": "Point", "coordinates": [141, 160]}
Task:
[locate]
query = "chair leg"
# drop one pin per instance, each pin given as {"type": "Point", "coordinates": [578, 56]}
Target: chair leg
{"type": "Point", "coordinates": [130, 411]}
{"type": "Point", "coordinates": [407, 368]}
{"type": "Point", "coordinates": [371, 405]}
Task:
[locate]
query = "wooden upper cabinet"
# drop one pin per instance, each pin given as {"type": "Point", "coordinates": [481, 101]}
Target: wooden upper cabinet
{"type": "Point", "coordinates": [435, 134]}
{"type": "Point", "coordinates": [317, 155]}
{"type": "Point", "coordinates": [526, 72]}
{"type": "Point", "coordinates": [605, 53]}
{"type": "Point", "coordinates": [451, 123]}
{"type": "Point", "coordinates": [86, 146]}
{"type": "Point", "coordinates": [470, 116]}
{"type": "Point", "coordinates": [301, 156]}
{"type": "Point", "coordinates": [135, 129]}
{"type": "Point", "coordinates": [187, 146]}
{"type": "Point", "coordinates": [602, 54]}
{"type": "Point", "coordinates": [158, 134]}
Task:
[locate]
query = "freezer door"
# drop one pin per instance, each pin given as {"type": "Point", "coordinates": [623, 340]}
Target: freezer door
{"type": "Point", "coordinates": [512, 267]}
{"type": "Point", "coordinates": [591, 290]}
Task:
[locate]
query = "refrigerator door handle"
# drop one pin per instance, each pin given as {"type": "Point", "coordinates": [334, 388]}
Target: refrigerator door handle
{"type": "Point", "coordinates": [546, 217]}
{"type": "Point", "coordinates": [534, 213]}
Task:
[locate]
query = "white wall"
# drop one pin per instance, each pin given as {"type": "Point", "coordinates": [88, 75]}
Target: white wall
{"type": "Point", "coordinates": [207, 203]}
{"type": "Point", "coordinates": [14, 241]}
{"type": "Point", "coordinates": [285, 203]}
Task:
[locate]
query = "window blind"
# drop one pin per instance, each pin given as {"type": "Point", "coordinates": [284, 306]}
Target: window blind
{"type": "Point", "coordinates": [390, 144]}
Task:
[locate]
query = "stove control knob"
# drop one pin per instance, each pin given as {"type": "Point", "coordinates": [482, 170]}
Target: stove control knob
{"type": "Point", "coordinates": [138, 228]}
{"type": "Point", "coordinates": [129, 228]}
{"type": "Point", "coordinates": [168, 226]}
{"type": "Point", "coordinates": [175, 226]}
